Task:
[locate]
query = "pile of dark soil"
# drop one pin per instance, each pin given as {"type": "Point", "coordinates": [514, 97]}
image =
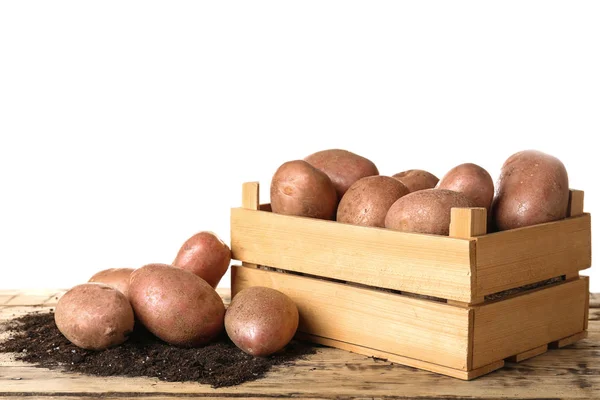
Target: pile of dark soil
{"type": "Point", "coordinates": [36, 339]}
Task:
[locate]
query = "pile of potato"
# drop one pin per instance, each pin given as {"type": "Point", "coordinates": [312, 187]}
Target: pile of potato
{"type": "Point", "coordinates": [533, 188]}
{"type": "Point", "coordinates": [177, 303]}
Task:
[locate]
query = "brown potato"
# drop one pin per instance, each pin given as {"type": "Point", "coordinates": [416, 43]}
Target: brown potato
{"type": "Point", "coordinates": [472, 181]}
{"type": "Point", "coordinates": [115, 277]}
{"type": "Point", "coordinates": [425, 211]}
{"type": "Point", "coordinates": [176, 305]}
{"type": "Point", "coordinates": [417, 179]}
{"type": "Point", "coordinates": [368, 200]}
{"type": "Point", "coordinates": [343, 167]}
{"type": "Point", "coordinates": [205, 255]}
{"type": "Point", "coordinates": [261, 320]}
{"type": "Point", "coordinates": [298, 188]}
{"type": "Point", "coordinates": [94, 316]}
{"type": "Point", "coordinates": [533, 188]}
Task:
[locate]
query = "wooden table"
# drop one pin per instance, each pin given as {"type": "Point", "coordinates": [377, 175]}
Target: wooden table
{"type": "Point", "coordinates": [569, 373]}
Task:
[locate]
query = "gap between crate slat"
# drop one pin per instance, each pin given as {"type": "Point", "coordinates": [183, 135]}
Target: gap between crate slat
{"type": "Point", "coordinates": [486, 300]}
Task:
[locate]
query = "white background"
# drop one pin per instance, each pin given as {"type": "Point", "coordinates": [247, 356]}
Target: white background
{"type": "Point", "coordinates": [126, 127]}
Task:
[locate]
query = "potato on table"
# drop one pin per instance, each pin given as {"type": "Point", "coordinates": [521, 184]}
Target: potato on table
{"type": "Point", "coordinates": [176, 305]}
{"type": "Point", "coordinates": [94, 316]}
{"type": "Point", "coordinates": [115, 277]}
{"type": "Point", "coordinates": [261, 320]}
{"type": "Point", "coordinates": [205, 255]}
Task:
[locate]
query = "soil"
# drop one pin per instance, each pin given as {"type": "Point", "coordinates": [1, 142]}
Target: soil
{"type": "Point", "coordinates": [36, 339]}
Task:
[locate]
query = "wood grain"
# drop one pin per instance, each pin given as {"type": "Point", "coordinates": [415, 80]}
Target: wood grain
{"type": "Point", "coordinates": [575, 203]}
{"type": "Point", "coordinates": [420, 329]}
{"type": "Point", "coordinates": [250, 195]}
{"type": "Point", "coordinates": [411, 362]}
{"type": "Point", "coordinates": [521, 323]}
{"type": "Point", "coordinates": [567, 341]}
{"type": "Point", "coordinates": [526, 355]}
{"type": "Point", "coordinates": [532, 254]}
{"type": "Point", "coordinates": [468, 222]}
{"type": "Point", "coordinates": [572, 372]}
{"type": "Point", "coordinates": [425, 264]}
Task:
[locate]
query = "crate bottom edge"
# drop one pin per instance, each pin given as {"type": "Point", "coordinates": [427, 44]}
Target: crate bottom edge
{"type": "Point", "coordinates": [465, 375]}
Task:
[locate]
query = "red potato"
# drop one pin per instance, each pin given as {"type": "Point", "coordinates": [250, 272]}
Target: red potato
{"type": "Point", "coordinates": [417, 179]}
{"type": "Point", "coordinates": [425, 211]}
{"type": "Point", "coordinates": [176, 305]}
{"type": "Point", "coordinates": [343, 167]}
{"type": "Point", "coordinates": [94, 316]}
{"type": "Point", "coordinates": [533, 188]}
{"type": "Point", "coordinates": [298, 188]}
{"type": "Point", "coordinates": [368, 200]}
{"type": "Point", "coordinates": [261, 321]}
{"type": "Point", "coordinates": [115, 277]}
{"type": "Point", "coordinates": [472, 181]}
{"type": "Point", "coordinates": [205, 255]}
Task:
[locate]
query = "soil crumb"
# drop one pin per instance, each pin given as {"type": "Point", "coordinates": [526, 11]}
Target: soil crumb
{"type": "Point", "coordinates": [36, 339]}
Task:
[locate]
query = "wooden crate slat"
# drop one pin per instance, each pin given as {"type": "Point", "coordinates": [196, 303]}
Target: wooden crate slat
{"type": "Point", "coordinates": [410, 362]}
{"type": "Point", "coordinates": [575, 206]}
{"type": "Point", "coordinates": [526, 355]}
{"type": "Point", "coordinates": [569, 340]}
{"type": "Point", "coordinates": [587, 306]}
{"type": "Point", "coordinates": [425, 330]}
{"type": "Point", "coordinates": [425, 264]}
{"type": "Point", "coordinates": [518, 257]}
{"type": "Point", "coordinates": [517, 324]}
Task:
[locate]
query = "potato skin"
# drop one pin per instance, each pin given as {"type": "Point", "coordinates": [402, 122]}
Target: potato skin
{"type": "Point", "coordinates": [176, 305]}
{"type": "Point", "coordinates": [471, 180]}
{"type": "Point", "coordinates": [533, 188]}
{"type": "Point", "coordinates": [94, 316]}
{"type": "Point", "coordinates": [205, 255]}
{"type": "Point", "coordinates": [343, 167]}
{"type": "Point", "coordinates": [425, 211]}
{"type": "Point", "coordinates": [261, 320]}
{"type": "Point", "coordinates": [417, 179]}
{"type": "Point", "coordinates": [368, 200]}
{"type": "Point", "coordinates": [298, 188]}
{"type": "Point", "coordinates": [115, 277]}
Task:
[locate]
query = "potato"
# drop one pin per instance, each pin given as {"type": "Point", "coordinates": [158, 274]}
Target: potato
{"type": "Point", "coordinates": [533, 188]}
{"type": "Point", "coordinates": [472, 181]}
{"type": "Point", "coordinates": [425, 211]}
{"type": "Point", "coordinates": [94, 316]}
{"type": "Point", "coordinates": [261, 320]}
{"type": "Point", "coordinates": [176, 305]}
{"type": "Point", "coordinates": [205, 255]}
{"type": "Point", "coordinates": [368, 200]}
{"type": "Point", "coordinates": [343, 167]}
{"type": "Point", "coordinates": [298, 188]}
{"type": "Point", "coordinates": [115, 277]}
{"type": "Point", "coordinates": [417, 179]}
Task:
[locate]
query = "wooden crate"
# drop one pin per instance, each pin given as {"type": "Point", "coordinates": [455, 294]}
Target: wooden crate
{"type": "Point", "coordinates": [443, 304]}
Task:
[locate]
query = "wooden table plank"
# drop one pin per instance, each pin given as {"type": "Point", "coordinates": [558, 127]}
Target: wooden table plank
{"type": "Point", "coordinates": [595, 300]}
{"type": "Point", "coordinates": [569, 373]}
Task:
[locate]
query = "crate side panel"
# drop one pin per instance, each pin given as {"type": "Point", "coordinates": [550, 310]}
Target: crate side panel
{"type": "Point", "coordinates": [518, 257]}
{"type": "Point", "coordinates": [415, 328]}
{"type": "Point", "coordinates": [508, 327]}
{"type": "Point", "coordinates": [424, 264]}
